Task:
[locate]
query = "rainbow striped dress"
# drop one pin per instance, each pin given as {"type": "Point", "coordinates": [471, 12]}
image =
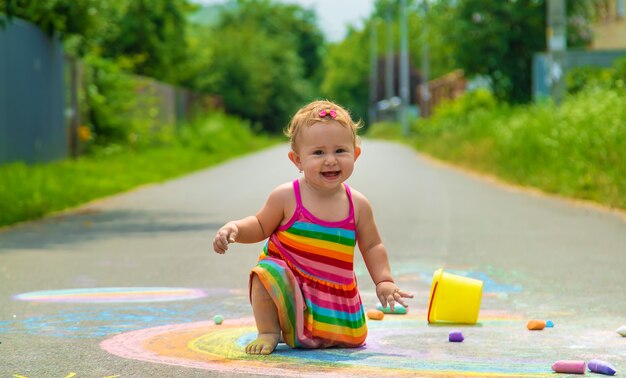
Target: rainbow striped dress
{"type": "Point", "coordinates": [307, 268]}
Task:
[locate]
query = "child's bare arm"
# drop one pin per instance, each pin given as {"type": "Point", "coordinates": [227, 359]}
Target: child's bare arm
{"type": "Point", "coordinates": [254, 228]}
{"type": "Point", "coordinates": [376, 258]}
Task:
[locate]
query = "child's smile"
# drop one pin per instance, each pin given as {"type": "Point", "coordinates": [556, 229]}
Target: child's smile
{"type": "Point", "coordinates": [326, 154]}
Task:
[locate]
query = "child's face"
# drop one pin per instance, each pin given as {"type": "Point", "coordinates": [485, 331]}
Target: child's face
{"type": "Point", "coordinates": [326, 154]}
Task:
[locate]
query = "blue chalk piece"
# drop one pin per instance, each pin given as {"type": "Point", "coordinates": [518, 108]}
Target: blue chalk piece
{"type": "Point", "coordinates": [601, 367]}
{"type": "Point", "coordinates": [549, 323]}
{"type": "Point", "coordinates": [456, 337]}
{"type": "Point", "coordinates": [398, 309]}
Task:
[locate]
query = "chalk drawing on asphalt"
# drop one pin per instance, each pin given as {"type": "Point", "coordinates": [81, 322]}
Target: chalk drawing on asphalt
{"type": "Point", "coordinates": [113, 295]}
{"type": "Point", "coordinates": [400, 345]}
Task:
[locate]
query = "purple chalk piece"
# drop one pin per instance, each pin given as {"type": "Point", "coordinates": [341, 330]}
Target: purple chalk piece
{"type": "Point", "coordinates": [601, 367]}
{"type": "Point", "coordinates": [456, 337]}
{"type": "Point", "coordinates": [569, 366]}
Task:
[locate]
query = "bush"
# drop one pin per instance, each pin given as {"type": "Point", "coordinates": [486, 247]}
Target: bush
{"type": "Point", "coordinates": [31, 191]}
{"type": "Point", "coordinates": [577, 149]}
{"type": "Point", "coordinates": [112, 103]}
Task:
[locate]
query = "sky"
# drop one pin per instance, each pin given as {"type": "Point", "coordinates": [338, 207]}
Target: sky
{"type": "Point", "coordinates": [333, 15]}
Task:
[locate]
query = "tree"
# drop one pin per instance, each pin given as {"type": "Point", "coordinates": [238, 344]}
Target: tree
{"type": "Point", "coordinates": [152, 35]}
{"type": "Point", "coordinates": [295, 25]}
{"type": "Point", "coordinates": [80, 24]}
{"type": "Point", "coordinates": [265, 59]}
{"type": "Point", "coordinates": [497, 39]}
{"type": "Point", "coordinates": [347, 69]}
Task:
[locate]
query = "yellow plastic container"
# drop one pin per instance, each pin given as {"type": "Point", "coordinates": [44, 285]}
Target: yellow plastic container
{"type": "Point", "coordinates": [454, 299]}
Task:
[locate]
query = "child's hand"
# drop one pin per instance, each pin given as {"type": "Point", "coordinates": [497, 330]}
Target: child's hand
{"type": "Point", "coordinates": [227, 234]}
{"type": "Point", "coordinates": [388, 293]}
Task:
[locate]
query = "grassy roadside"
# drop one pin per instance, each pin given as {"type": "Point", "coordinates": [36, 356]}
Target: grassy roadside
{"type": "Point", "coordinates": [576, 150]}
{"type": "Point", "coordinates": [30, 192]}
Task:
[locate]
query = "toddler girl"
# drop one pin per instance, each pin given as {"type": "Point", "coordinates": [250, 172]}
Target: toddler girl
{"type": "Point", "coordinates": [304, 284]}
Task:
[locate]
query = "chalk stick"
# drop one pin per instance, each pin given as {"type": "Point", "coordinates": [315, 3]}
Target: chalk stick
{"type": "Point", "coordinates": [622, 330]}
{"type": "Point", "coordinates": [549, 323]}
{"type": "Point", "coordinates": [375, 314]}
{"type": "Point", "coordinates": [536, 325]}
{"type": "Point", "coordinates": [398, 309]}
{"type": "Point", "coordinates": [601, 367]}
{"type": "Point", "coordinates": [455, 337]}
{"type": "Point", "coordinates": [218, 319]}
{"type": "Point", "coordinates": [569, 366]}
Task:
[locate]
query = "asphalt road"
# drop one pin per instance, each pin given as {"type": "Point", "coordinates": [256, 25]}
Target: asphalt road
{"type": "Point", "coordinates": [128, 286]}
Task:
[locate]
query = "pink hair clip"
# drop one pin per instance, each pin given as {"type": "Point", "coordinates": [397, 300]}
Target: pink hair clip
{"type": "Point", "coordinates": [328, 112]}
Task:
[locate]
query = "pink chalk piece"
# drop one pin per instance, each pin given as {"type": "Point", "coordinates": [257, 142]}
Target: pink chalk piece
{"type": "Point", "coordinates": [569, 366]}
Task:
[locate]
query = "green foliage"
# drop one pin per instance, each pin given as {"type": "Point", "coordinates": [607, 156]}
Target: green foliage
{"type": "Point", "coordinates": [79, 23]}
{"type": "Point", "coordinates": [152, 34]}
{"type": "Point", "coordinates": [580, 78]}
{"type": "Point", "coordinates": [384, 130]}
{"type": "Point", "coordinates": [577, 149]}
{"type": "Point", "coordinates": [497, 39]}
{"type": "Point", "coordinates": [269, 54]}
{"type": "Point", "coordinates": [29, 192]}
{"type": "Point", "coordinates": [347, 70]}
{"type": "Point", "coordinates": [115, 114]}
{"type": "Point", "coordinates": [295, 26]}
{"type": "Point", "coordinates": [347, 64]}
{"type": "Point", "coordinates": [219, 133]}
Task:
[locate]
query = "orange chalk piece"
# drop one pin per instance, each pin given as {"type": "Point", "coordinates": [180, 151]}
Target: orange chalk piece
{"type": "Point", "coordinates": [375, 314]}
{"type": "Point", "coordinates": [536, 325]}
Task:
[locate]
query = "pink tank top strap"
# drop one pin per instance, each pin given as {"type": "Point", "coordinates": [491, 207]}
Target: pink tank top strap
{"type": "Point", "coordinates": [351, 215]}
{"type": "Point", "coordinates": [296, 191]}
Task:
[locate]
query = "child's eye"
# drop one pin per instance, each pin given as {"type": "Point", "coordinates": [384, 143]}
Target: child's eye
{"type": "Point", "coordinates": [318, 152]}
{"type": "Point", "coordinates": [341, 150]}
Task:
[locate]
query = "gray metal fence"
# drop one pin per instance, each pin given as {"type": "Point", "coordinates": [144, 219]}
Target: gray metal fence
{"type": "Point", "coordinates": [41, 106]}
{"type": "Point", "coordinates": [541, 66]}
{"type": "Point", "coordinates": [32, 122]}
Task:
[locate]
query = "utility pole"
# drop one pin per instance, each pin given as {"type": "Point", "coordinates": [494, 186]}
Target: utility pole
{"type": "Point", "coordinates": [424, 90]}
{"type": "Point", "coordinates": [556, 34]}
{"type": "Point", "coordinates": [404, 68]}
{"type": "Point", "coordinates": [373, 69]}
{"type": "Point", "coordinates": [389, 74]}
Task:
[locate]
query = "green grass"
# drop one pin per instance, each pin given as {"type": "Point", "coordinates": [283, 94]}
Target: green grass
{"type": "Point", "coordinates": [31, 191]}
{"type": "Point", "coordinates": [577, 149]}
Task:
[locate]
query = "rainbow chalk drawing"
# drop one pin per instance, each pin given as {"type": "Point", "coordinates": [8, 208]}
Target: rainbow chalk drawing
{"type": "Point", "coordinates": [113, 295]}
{"type": "Point", "coordinates": [390, 351]}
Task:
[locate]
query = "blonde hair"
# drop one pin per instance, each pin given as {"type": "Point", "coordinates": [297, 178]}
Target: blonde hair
{"type": "Point", "coordinates": [310, 114]}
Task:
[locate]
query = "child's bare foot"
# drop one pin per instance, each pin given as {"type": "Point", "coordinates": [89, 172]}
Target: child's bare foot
{"type": "Point", "coordinates": [264, 343]}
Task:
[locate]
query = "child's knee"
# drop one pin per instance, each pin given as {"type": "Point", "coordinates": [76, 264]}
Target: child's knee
{"type": "Point", "coordinates": [258, 290]}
